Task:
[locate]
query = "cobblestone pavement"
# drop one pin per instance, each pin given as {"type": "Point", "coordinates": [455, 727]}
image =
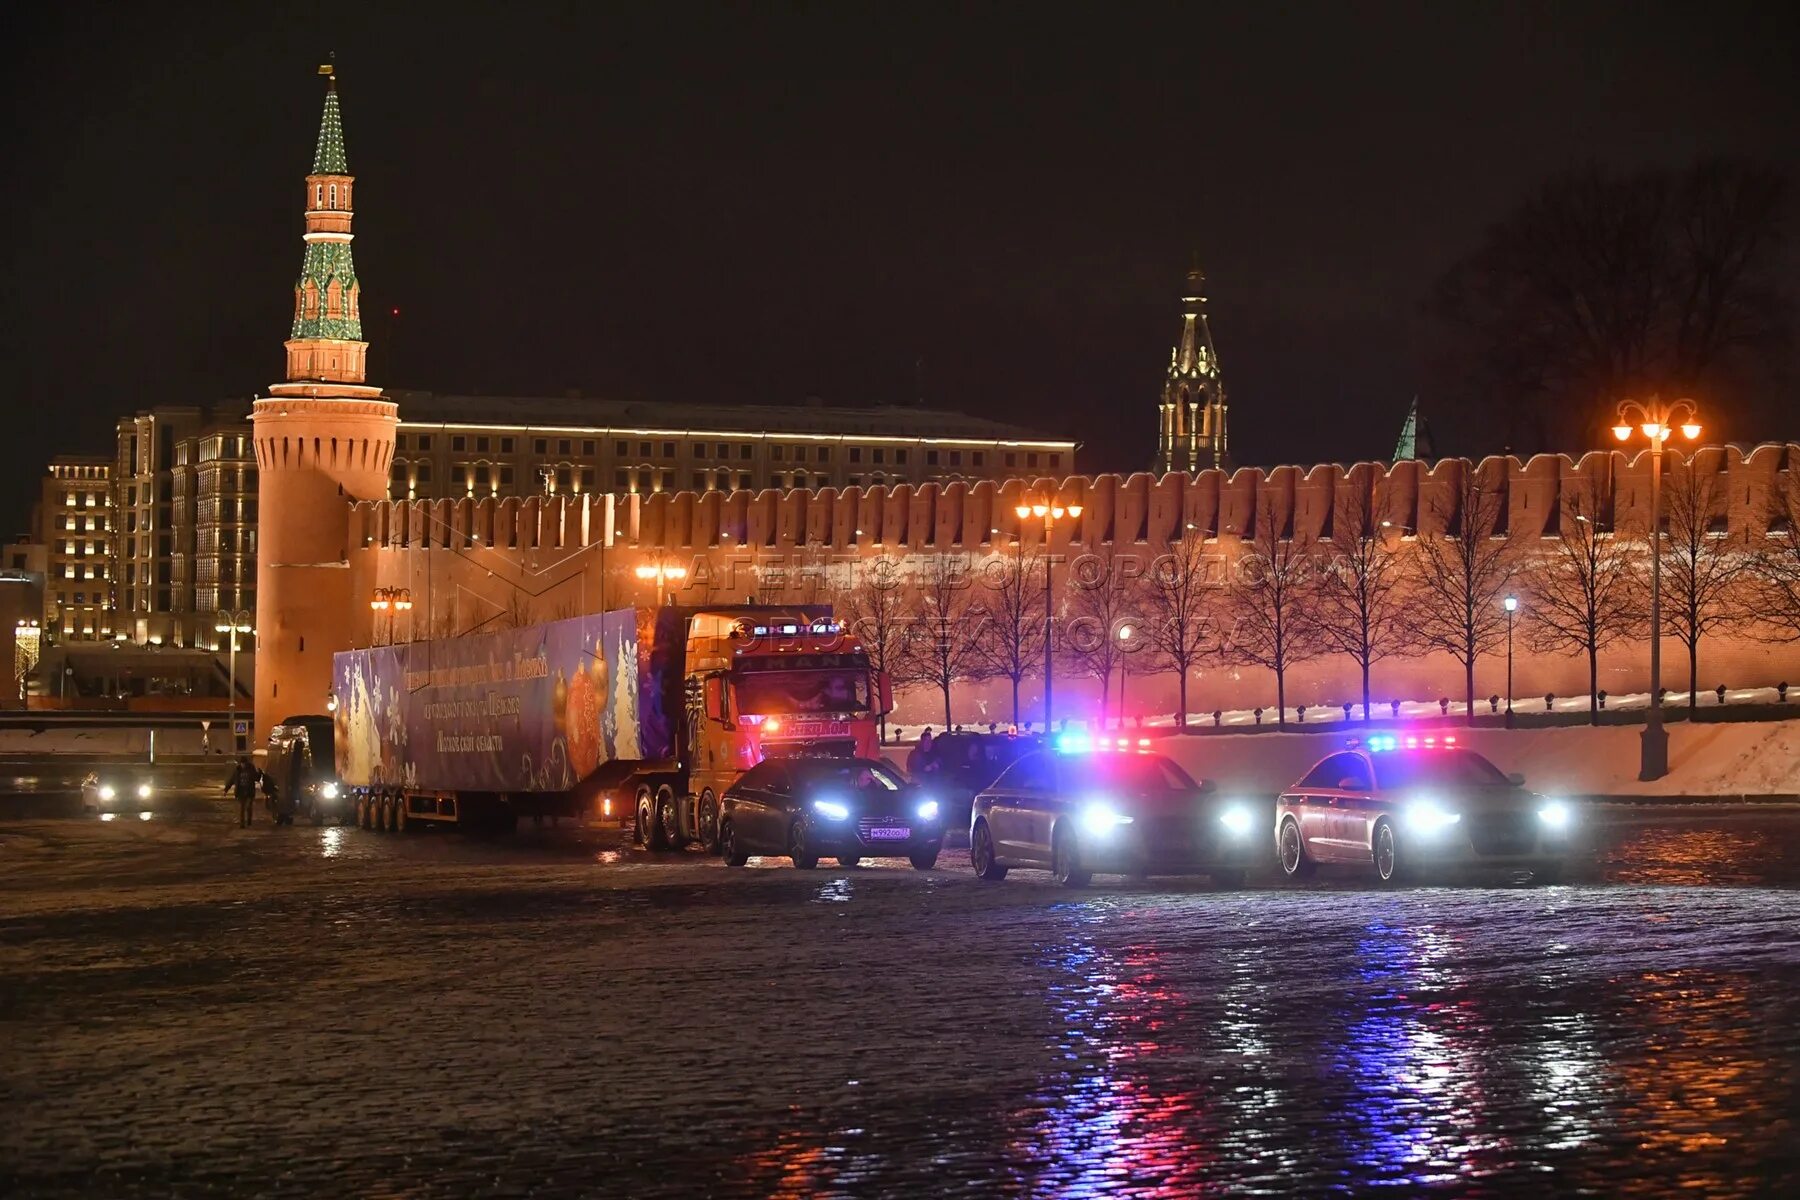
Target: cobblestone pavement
{"type": "Point", "coordinates": [194, 1010]}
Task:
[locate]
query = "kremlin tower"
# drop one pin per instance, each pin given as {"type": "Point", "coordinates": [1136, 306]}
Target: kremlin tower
{"type": "Point", "coordinates": [324, 439]}
{"type": "Point", "coordinates": [1192, 432]}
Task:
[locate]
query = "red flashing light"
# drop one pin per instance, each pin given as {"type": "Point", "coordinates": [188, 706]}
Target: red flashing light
{"type": "Point", "coordinates": [1450, 740]}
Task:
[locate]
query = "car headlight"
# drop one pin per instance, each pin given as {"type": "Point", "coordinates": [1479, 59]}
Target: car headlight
{"type": "Point", "coordinates": [143, 791]}
{"type": "Point", "coordinates": [1427, 816]}
{"type": "Point", "coordinates": [928, 811]}
{"type": "Point", "coordinates": [143, 816]}
{"type": "Point", "coordinates": [108, 816]}
{"type": "Point", "coordinates": [1101, 819]}
{"type": "Point", "coordinates": [328, 791]}
{"type": "Point", "coordinates": [108, 791]}
{"type": "Point", "coordinates": [1555, 814]}
{"type": "Point", "coordinates": [1236, 820]}
{"type": "Point", "coordinates": [831, 809]}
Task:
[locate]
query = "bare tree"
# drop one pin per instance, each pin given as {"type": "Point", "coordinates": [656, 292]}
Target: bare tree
{"type": "Point", "coordinates": [1605, 285]}
{"type": "Point", "coordinates": [943, 648]}
{"type": "Point", "coordinates": [1584, 589]}
{"type": "Point", "coordinates": [1702, 575]}
{"type": "Point", "coordinates": [874, 608]}
{"type": "Point", "coordinates": [1774, 579]}
{"type": "Point", "coordinates": [1463, 569]}
{"type": "Point", "coordinates": [1102, 598]}
{"type": "Point", "coordinates": [1181, 591]}
{"type": "Point", "coordinates": [1011, 644]}
{"type": "Point", "coordinates": [1271, 596]}
{"type": "Point", "coordinates": [1361, 610]}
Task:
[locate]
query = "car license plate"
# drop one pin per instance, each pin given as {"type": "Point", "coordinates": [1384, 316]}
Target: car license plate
{"type": "Point", "coordinates": [889, 833]}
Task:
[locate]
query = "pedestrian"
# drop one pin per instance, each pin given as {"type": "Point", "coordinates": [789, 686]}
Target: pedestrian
{"type": "Point", "coordinates": [923, 758]}
{"type": "Point", "coordinates": [243, 781]}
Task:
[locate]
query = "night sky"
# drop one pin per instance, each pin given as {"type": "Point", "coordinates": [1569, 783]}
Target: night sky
{"type": "Point", "coordinates": [994, 213]}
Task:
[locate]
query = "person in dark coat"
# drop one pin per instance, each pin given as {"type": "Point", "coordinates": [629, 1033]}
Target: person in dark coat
{"type": "Point", "coordinates": [243, 781]}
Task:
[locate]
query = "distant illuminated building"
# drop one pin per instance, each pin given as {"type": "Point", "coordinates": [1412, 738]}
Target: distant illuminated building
{"type": "Point", "coordinates": [1192, 436]}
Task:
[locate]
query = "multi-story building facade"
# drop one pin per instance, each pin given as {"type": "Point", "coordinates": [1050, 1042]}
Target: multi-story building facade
{"type": "Point", "coordinates": [182, 475]}
{"type": "Point", "coordinates": [450, 446]}
{"type": "Point", "coordinates": [75, 525]}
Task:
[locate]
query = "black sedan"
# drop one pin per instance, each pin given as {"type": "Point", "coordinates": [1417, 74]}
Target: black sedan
{"type": "Point", "coordinates": [1120, 812]}
{"type": "Point", "coordinates": [811, 808]}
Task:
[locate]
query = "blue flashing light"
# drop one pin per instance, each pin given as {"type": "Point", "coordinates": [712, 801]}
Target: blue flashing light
{"type": "Point", "coordinates": [1073, 743]}
{"type": "Point", "coordinates": [1383, 741]}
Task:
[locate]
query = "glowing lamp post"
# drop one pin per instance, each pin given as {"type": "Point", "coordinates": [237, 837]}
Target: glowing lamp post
{"type": "Point", "coordinates": [661, 572]}
{"type": "Point", "coordinates": [1050, 513]}
{"type": "Point", "coordinates": [1657, 421]}
{"type": "Point", "coordinates": [387, 603]}
{"type": "Point", "coordinates": [1125, 635]}
{"type": "Point", "coordinates": [1512, 606]}
{"type": "Point", "coordinates": [233, 622]}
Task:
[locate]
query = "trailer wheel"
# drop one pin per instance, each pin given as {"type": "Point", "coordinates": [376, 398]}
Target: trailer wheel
{"type": "Point", "coordinates": [649, 829]}
{"type": "Point", "coordinates": [708, 821]}
{"type": "Point", "coordinates": [668, 818]}
{"type": "Point", "coordinates": [400, 813]}
{"type": "Point", "coordinates": [362, 812]}
{"type": "Point", "coordinates": [385, 818]}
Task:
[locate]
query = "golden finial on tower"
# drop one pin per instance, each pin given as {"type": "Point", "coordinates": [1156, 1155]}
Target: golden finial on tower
{"type": "Point", "coordinates": [329, 70]}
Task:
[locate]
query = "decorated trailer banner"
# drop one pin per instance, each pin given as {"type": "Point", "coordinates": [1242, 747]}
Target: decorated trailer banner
{"type": "Point", "coordinates": [519, 710]}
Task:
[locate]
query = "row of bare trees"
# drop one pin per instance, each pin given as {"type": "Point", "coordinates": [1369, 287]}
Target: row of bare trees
{"type": "Point", "coordinates": [1362, 589]}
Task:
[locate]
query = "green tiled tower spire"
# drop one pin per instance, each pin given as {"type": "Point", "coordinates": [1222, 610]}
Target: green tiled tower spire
{"type": "Point", "coordinates": [327, 300]}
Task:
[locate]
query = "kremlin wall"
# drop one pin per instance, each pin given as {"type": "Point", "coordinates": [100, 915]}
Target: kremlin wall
{"type": "Point", "coordinates": [476, 564]}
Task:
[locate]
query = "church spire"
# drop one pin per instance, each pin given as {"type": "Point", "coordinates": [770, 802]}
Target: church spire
{"type": "Point", "coordinates": [326, 341]}
{"type": "Point", "coordinates": [1192, 435]}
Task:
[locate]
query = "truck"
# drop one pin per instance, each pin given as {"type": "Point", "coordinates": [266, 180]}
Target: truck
{"type": "Point", "coordinates": [299, 773]}
{"type": "Point", "coordinates": [641, 715]}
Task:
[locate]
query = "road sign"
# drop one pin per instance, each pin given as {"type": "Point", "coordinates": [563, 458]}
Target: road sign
{"type": "Point", "coordinates": [240, 727]}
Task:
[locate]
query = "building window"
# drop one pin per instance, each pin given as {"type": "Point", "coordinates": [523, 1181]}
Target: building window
{"type": "Point", "coordinates": [399, 441]}
{"type": "Point", "coordinates": [668, 450]}
{"type": "Point", "coordinates": [459, 442]}
{"type": "Point", "coordinates": [799, 453]}
{"type": "Point", "coordinates": [622, 449]}
{"type": "Point", "coordinates": [562, 446]}
{"type": "Point", "coordinates": [506, 476]}
{"type": "Point", "coordinates": [423, 474]}
{"type": "Point", "coordinates": [956, 458]}
{"type": "Point", "coordinates": [824, 454]}
{"type": "Point", "coordinates": [879, 455]}
{"type": "Point", "coordinates": [1012, 458]}
{"type": "Point", "coordinates": [424, 441]}
{"type": "Point", "coordinates": [702, 481]}
{"type": "Point", "coordinates": [665, 481]}
{"type": "Point", "coordinates": [587, 479]}
{"type": "Point", "coordinates": [931, 458]}
{"type": "Point", "coordinates": [744, 480]}
{"type": "Point", "coordinates": [541, 445]}
{"type": "Point", "coordinates": [1031, 460]}
{"type": "Point", "coordinates": [506, 445]}
{"type": "Point", "coordinates": [481, 445]}
{"type": "Point", "coordinates": [588, 447]}
{"type": "Point", "coordinates": [622, 479]}
{"type": "Point", "coordinates": [643, 449]}
{"type": "Point", "coordinates": [981, 458]}
{"type": "Point", "coordinates": [775, 453]}
{"type": "Point", "coordinates": [900, 457]}
{"type": "Point", "coordinates": [856, 454]}
{"type": "Point", "coordinates": [1056, 460]}
{"type": "Point", "coordinates": [699, 449]}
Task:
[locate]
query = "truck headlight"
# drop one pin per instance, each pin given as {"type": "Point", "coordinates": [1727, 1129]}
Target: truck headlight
{"type": "Point", "coordinates": [108, 791]}
{"type": "Point", "coordinates": [1427, 816]}
{"type": "Point", "coordinates": [144, 791]}
{"type": "Point", "coordinates": [1100, 819]}
{"type": "Point", "coordinates": [1555, 815]}
{"type": "Point", "coordinates": [1236, 820]}
{"type": "Point", "coordinates": [328, 791]}
{"type": "Point", "coordinates": [831, 809]}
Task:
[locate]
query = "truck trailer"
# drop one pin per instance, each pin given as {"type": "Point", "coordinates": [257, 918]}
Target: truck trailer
{"type": "Point", "coordinates": [640, 715]}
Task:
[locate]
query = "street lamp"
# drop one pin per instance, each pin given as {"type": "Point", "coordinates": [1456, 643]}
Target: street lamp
{"type": "Point", "coordinates": [1051, 513]}
{"type": "Point", "coordinates": [1126, 633]}
{"type": "Point", "coordinates": [1657, 421]}
{"type": "Point", "coordinates": [662, 572]}
{"type": "Point", "coordinates": [233, 622]}
{"type": "Point", "coordinates": [1512, 606]}
{"type": "Point", "coordinates": [389, 603]}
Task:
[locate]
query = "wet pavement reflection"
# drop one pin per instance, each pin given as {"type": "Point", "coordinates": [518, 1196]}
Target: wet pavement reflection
{"type": "Point", "coordinates": [558, 1014]}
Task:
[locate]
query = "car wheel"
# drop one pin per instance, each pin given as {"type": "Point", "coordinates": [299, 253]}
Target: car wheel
{"type": "Point", "coordinates": [1292, 851]}
{"type": "Point", "coordinates": [668, 818]}
{"type": "Point", "coordinates": [849, 860]}
{"type": "Point", "coordinates": [803, 857]}
{"type": "Point", "coordinates": [649, 828]}
{"type": "Point", "coordinates": [1228, 879]}
{"type": "Point", "coordinates": [730, 849]}
{"type": "Point", "coordinates": [981, 855]}
{"type": "Point", "coordinates": [1385, 851]}
{"type": "Point", "coordinates": [1065, 862]}
{"type": "Point", "coordinates": [709, 822]}
{"type": "Point", "coordinates": [924, 860]}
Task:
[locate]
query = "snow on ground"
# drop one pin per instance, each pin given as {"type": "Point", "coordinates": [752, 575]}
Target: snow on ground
{"type": "Point", "coordinates": [1748, 758]}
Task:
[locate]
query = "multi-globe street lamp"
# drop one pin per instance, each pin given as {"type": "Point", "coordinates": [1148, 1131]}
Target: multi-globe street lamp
{"type": "Point", "coordinates": [662, 572]}
{"type": "Point", "coordinates": [1051, 512]}
{"type": "Point", "coordinates": [388, 603]}
{"type": "Point", "coordinates": [233, 622]}
{"type": "Point", "coordinates": [1657, 420]}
